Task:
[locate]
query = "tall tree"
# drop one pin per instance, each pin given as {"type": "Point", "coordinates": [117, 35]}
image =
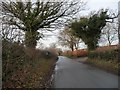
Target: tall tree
{"type": "Point", "coordinates": [34, 16]}
{"type": "Point", "coordinates": [89, 28]}
{"type": "Point", "coordinates": [67, 39]}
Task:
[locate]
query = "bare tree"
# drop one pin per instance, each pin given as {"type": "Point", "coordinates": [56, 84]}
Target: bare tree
{"type": "Point", "coordinates": [67, 39]}
{"type": "Point", "coordinates": [109, 33]}
{"type": "Point", "coordinates": [32, 17]}
{"type": "Point", "coordinates": [12, 35]}
{"type": "Point", "coordinates": [115, 19]}
{"type": "Point", "coordinates": [9, 32]}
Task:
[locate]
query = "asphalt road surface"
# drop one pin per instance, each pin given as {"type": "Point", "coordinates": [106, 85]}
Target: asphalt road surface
{"type": "Point", "coordinates": [73, 74]}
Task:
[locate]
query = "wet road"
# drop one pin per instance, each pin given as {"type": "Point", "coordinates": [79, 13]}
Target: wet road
{"type": "Point", "coordinates": [73, 74]}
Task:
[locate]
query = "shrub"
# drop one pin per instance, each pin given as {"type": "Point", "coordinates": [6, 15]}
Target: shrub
{"type": "Point", "coordinates": [79, 53]}
{"type": "Point", "coordinates": [24, 67]}
{"type": "Point", "coordinates": [76, 53]}
{"type": "Point", "coordinates": [105, 58]}
{"type": "Point", "coordinates": [105, 55]}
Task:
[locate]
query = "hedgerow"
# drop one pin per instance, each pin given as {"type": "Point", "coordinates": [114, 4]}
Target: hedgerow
{"type": "Point", "coordinates": [105, 55]}
{"type": "Point", "coordinates": [25, 67]}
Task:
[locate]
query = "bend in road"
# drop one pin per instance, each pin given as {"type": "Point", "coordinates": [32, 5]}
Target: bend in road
{"type": "Point", "coordinates": [72, 74]}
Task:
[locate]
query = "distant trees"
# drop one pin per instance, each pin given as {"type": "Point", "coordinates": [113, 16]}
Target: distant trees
{"type": "Point", "coordinates": [67, 39]}
{"type": "Point", "coordinates": [53, 47]}
{"type": "Point", "coordinates": [31, 17]}
{"type": "Point", "coordinates": [89, 28]}
{"type": "Point", "coordinates": [109, 33]}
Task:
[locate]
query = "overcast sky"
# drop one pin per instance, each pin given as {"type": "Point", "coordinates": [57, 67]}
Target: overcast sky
{"type": "Point", "coordinates": [98, 4]}
{"type": "Point", "coordinates": [92, 5]}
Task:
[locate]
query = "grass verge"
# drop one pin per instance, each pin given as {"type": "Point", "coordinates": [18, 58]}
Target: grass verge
{"type": "Point", "coordinates": [110, 66]}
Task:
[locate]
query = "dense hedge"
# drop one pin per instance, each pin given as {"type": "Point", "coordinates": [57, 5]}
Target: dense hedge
{"type": "Point", "coordinates": [80, 53]}
{"type": "Point", "coordinates": [105, 55]}
{"type": "Point", "coordinates": [76, 53]}
{"type": "Point", "coordinates": [24, 67]}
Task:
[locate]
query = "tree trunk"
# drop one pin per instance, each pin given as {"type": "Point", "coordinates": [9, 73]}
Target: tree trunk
{"type": "Point", "coordinates": [72, 46]}
{"type": "Point", "coordinates": [91, 46]}
{"type": "Point", "coordinates": [31, 39]}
